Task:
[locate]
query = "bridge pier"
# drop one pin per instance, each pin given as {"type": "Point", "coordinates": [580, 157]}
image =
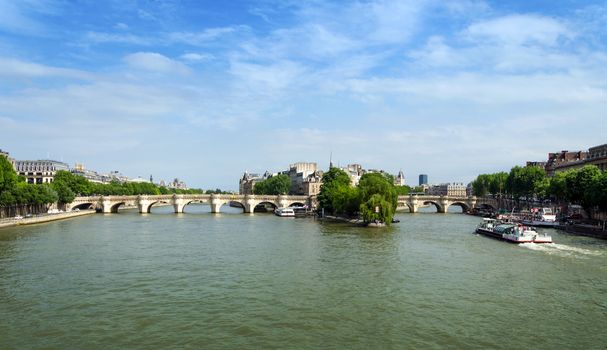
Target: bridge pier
{"type": "Point", "coordinates": [249, 204]}
{"type": "Point", "coordinates": [178, 203]}
{"type": "Point", "coordinates": [443, 205]}
{"type": "Point", "coordinates": [413, 206]}
{"type": "Point", "coordinates": [143, 204]}
{"type": "Point", "coordinates": [106, 206]}
{"type": "Point", "coordinates": [216, 204]}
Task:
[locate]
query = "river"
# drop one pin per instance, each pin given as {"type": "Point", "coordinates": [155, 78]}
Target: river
{"type": "Point", "coordinates": [239, 281]}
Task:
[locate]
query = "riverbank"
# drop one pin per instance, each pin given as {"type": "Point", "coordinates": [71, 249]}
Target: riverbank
{"type": "Point", "coordinates": [584, 230]}
{"type": "Point", "coordinates": [44, 218]}
{"type": "Point", "coordinates": [356, 222]}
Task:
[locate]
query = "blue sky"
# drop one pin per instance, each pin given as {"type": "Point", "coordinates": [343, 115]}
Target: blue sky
{"type": "Point", "coordinates": [204, 90]}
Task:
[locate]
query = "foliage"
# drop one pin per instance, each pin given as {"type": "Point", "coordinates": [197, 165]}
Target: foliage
{"type": "Point", "coordinates": [586, 186]}
{"type": "Point", "coordinates": [377, 192]}
{"type": "Point", "coordinates": [275, 185]}
{"type": "Point", "coordinates": [334, 181]}
{"type": "Point", "coordinates": [8, 176]}
{"type": "Point", "coordinates": [374, 190]}
{"type": "Point", "coordinates": [66, 186]}
{"type": "Point", "coordinates": [402, 190]}
{"type": "Point", "coordinates": [13, 191]}
{"type": "Point", "coordinates": [524, 181]}
{"type": "Point", "coordinates": [377, 208]}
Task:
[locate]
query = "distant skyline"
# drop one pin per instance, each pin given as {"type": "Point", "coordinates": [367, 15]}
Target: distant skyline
{"type": "Point", "coordinates": [204, 90]}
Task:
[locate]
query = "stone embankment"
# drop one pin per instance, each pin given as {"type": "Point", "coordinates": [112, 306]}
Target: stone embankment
{"type": "Point", "coordinates": [43, 218]}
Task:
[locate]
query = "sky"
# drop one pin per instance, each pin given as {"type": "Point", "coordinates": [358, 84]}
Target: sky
{"type": "Point", "coordinates": [205, 90]}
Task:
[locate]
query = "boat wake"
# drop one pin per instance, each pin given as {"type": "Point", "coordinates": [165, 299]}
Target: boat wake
{"type": "Point", "coordinates": [561, 249]}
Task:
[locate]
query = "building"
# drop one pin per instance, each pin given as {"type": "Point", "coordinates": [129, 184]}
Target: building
{"type": "Point", "coordinates": [355, 172]}
{"type": "Point", "coordinates": [448, 189]}
{"type": "Point", "coordinates": [39, 171]}
{"type": "Point", "coordinates": [299, 173]}
{"type": "Point", "coordinates": [598, 156]}
{"type": "Point", "coordinates": [399, 180]}
{"type": "Point", "coordinates": [176, 184]}
{"type": "Point", "coordinates": [90, 175]}
{"type": "Point", "coordinates": [312, 183]}
{"type": "Point", "coordinates": [537, 164]}
{"type": "Point", "coordinates": [423, 179]}
{"type": "Point", "coordinates": [246, 184]}
{"type": "Point", "coordinates": [565, 160]}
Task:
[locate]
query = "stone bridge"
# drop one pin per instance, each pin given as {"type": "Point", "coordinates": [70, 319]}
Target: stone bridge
{"type": "Point", "coordinates": [442, 203]}
{"type": "Point", "coordinates": [110, 204]}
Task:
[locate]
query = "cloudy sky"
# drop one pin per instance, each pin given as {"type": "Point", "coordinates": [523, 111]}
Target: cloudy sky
{"type": "Point", "coordinates": [204, 90]}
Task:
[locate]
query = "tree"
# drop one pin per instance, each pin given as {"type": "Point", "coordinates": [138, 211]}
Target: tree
{"type": "Point", "coordinates": [525, 181]}
{"type": "Point", "coordinates": [64, 193]}
{"type": "Point", "coordinates": [498, 182]}
{"type": "Point", "coordinates": [598, 191]}
{"type": "Point", "coordinates": [280, 184]}
{"type": "Point", "coordinates": [480, 186]}
{"type": "Point", "coordinates": [377, 192]}
{"type": "Point", "coordinates": [8, 176]}
{"type": "Point", "coordinates": [402, 190]}
{"type": "Point", "coordinates": [558, 186]}
{"type": "Point", "coordinates": [377, 208]}
{"type": "Point", "coordinates": [332, 182]}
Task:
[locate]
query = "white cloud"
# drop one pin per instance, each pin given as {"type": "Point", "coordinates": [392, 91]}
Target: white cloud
{"type": "Point", "coordinates": [121, 26]}
{"type": "Point", "coordinates": [202, 37]}
{"type": "Point", "coordinates": [123, 38]}
{"type": "Point", "coordinates": [155, 62]}
{"type": "Point", "coordinates": [10, 67]}
{"type": "Point", "coordinates": [196, 57]}
{"type": "Point", "coordinates": [519, 30]}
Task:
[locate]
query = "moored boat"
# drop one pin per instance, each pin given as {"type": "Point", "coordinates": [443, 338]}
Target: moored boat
{"type": "Point", "coordinates": [542, 217]}
{"type": "Point", "coordinates": [510, 232]}
{"type": "Point", "coordinates": [285, 212]}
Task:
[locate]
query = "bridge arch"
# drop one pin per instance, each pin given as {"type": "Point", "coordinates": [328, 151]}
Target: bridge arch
{"type": "Point", "coordinates": [297, 204]}
{"type": "Point", "coordinates": [83, 206]}
{"type": "Point", "coordinates": [402, 205]}
{"type": "Point", "coordinates": [114, 207]}
{"type": "Point", "coordinates": [264, 207]}
{"type": "Point", "coordinates": [437, 205]}
{"type": "Point", "coordinates": [165, 202]}
{"type": "Point", "coordinates": [465, 207]}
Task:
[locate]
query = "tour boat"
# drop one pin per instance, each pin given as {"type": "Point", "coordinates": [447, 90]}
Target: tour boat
{"type": "Point", "coordinates": [285, 212]}
{"type": "Point", "coordinates": [540, 217]}
{"type": "Point", "coordinates": [514, 233]}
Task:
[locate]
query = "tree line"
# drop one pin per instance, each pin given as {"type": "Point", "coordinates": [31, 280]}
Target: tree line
{"type": "Point", "coordinates": [586, 186]}
{"type": "Point", "coordinates": [14, 190]}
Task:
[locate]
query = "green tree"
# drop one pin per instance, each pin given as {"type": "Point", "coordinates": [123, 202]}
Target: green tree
{"type": "Point", "coordinates": [377, 208]}
{"type": "Point", "coordinates": [377, 192]}
{"type": "Point", "coordinates": [402, 190]}
{"type": "Point", "coordinates": [8, 176]}
{"type": "Point", "coordinates": [480, 186]}
{"type": "Point", "coordinates": [558, 186]}
{"type": "Point", "coordinates": [332, 182]}
{"type": "Point", "coordinates": [525, 181]}
{"type": "Point", "coordinates": [598, 191]}
{"type": "Point", "coordinates": [498, 183]}
{"type": "Point", "coordinates": [275, 185]}
{"type": "Point", "coordinates": [64, 193]}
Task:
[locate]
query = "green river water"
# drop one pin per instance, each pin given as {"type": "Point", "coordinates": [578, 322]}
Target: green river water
{"type": "Point", "coordinates": [238, 281]}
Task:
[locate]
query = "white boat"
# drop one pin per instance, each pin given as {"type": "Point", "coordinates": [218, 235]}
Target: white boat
{"type": "Point", "coordinates": [540, 217]}
{"type": "Point", "coordinates": [285, 212]}
{"type": "Point", "coordinates": [514, 233]}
